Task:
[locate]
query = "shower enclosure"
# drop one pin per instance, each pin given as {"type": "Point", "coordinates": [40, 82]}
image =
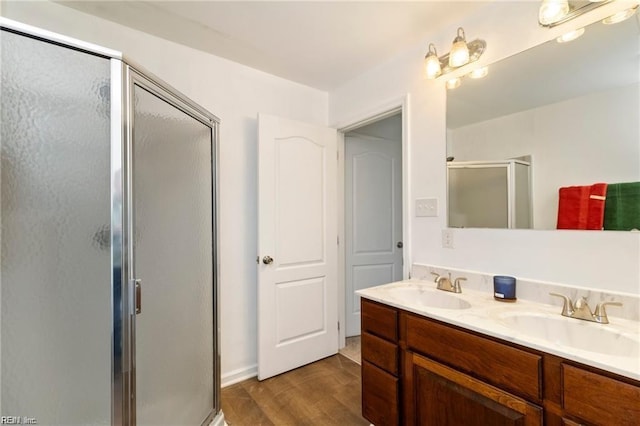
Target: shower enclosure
{"type": "Point", "coordinates": [489, 194]}
{"type": "Point", "coordinates": [107, 238]}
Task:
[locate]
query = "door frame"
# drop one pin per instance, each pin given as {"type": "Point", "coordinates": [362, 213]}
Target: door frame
{"type": "Point", "coordinates": [368, 116]}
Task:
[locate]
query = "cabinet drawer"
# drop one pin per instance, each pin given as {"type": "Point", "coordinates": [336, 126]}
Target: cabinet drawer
{"type": "Point", "coordinates": [379, 396]}
{"type": "Point", "coordinates": [507, 367]}
{"type": "Point", "coordinates": [599, 399]}
{"type": "Point", "coordinates": [380, 353]}
{"type": "Point", "coordinates": [379, 320]}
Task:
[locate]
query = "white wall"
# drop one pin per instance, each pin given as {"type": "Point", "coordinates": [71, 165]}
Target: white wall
{"type": "Point", "coordinates": [234, 93]}
{"type": "Point", "coordinates": [579, 141]}
{"type": "Point", "coordinates": [389, 128]}
{"type": "Point", "coordinates": [600, 260]}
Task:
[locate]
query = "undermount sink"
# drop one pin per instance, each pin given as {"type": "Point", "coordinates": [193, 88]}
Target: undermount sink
{"type": "Point", "coordinates": [428, 298]}
{"type": "Point", "coordinates": [572, 333]}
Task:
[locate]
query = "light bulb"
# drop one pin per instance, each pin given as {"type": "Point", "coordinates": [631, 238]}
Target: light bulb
{"type": "Point", "coordinates": [454, 83]}
{"type": "Point", "coordinates": [432, 66]}
{"type": "Point", "coordinates": [620, 16]}
{"type": "Point", "coordinates": [479, 72]}
{"type": "Point", "coordinates": [570, 36]}
{"type": "Point", "coordinates": [552, 11]}
{"type": "Point", "coordinates": [459, 54]}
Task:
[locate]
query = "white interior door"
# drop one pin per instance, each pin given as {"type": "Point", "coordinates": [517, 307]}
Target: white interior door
{"type": "Point", "coordinates": [373, 218]}
{"type": "Point", "coordinates": [297, 244]}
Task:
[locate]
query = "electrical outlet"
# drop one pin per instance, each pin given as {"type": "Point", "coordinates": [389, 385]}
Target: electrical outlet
{"type": "Point", "coordinates": [427, 207]}
{"type": "Point", "coordinates": [447, 238]}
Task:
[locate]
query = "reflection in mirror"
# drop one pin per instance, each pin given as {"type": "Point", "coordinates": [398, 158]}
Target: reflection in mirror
{"type": "Point", "coordinates": [569, 110]}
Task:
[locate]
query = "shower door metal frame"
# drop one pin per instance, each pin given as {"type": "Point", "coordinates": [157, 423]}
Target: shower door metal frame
{"type": "Point", "coordinates": [132, 76]}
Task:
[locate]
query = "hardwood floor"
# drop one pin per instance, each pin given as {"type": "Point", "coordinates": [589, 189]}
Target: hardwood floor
{"type": "Point", "coordinates": [326, 392]}
{"type": "Point", "coordinates": [352, 349]}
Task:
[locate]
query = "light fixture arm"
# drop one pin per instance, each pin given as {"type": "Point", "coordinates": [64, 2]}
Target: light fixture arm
{"type": "Point", "coordinates": [432, 50]}
{"type": "Point", "coordinates": [460, 36]}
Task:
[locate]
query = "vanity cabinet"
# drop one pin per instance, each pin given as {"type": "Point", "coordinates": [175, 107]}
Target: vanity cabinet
{"type": "Point", "coordinates": [380, 366]}
{"type": "Point", "coordinates": [419, 371]}
{"type": "Point", "coordinates": [506, 367]}
{"type": "Point", "coordinates": [459, 378]}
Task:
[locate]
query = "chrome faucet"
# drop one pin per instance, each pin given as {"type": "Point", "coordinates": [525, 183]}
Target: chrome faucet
{"type": "Point", "coordinates": [582, 311]}
{"type": "Point", "coordinates": [445, 284]}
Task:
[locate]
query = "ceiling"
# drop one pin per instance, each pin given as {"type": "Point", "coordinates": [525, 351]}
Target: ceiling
{"type": "Point", "coordinates": [319, 44]}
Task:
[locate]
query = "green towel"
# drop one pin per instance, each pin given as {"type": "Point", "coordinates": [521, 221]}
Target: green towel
{"type": "Point", "coordinates": [622, 207]}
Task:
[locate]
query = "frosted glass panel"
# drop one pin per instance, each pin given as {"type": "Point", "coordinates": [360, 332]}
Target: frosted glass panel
{"type": "Point", "coordinates": [55, 245]}
{"type": "Point", "coordinates": [173, 258]}
{"type": "Point", "coordinates": [478, 197]}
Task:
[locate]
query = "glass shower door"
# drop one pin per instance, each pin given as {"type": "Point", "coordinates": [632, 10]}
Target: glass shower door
{"type": "Point", "coordinates": [55, 214]}
{"type": "Point", "coordinates": [173, 259]}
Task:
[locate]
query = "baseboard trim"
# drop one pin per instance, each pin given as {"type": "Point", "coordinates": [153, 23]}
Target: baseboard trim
{"type": "Point", "coordinates": [218, 420]}
{"type": "Point", "coordinates": [235, 376]}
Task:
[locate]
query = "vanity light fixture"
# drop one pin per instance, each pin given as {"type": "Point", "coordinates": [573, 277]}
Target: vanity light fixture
{"type": "Point", "coordinates": [461, 54]}
{"type": "Point", "coordinates": [556, 12]}
{"type": "Point", "coordinates": [570, 36]}
{"type": "Point", "coordinates": [552, 11]}
{"type": "Point", "coordinates": [454, 83]}
{"type": "Point", "coordinates": [479, 72]}
{"type": "Point", "coordinates": [620, 16]}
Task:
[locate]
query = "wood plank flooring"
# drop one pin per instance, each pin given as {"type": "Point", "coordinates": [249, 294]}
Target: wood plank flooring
{"type": "Point", "coordinates": [326, 392]}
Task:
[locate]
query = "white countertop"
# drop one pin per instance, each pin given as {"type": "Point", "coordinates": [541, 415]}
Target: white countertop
{"type": "Point", "coordinates": [613, 347]}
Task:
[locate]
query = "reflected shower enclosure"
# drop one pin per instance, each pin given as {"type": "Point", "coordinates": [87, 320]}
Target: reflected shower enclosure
{"type": "Point", "coordinates": [108, 240]}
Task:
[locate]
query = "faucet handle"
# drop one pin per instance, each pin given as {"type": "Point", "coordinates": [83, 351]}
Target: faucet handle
{"type": "Point", "coordinates": [435, 280]}
{"type": "Point", "coordinates": [456, 284]}
{"type": "Point", "coordinates": [581, 303]}
{"type": "Point", "coordinates": [600, 314]}
{"type": "Point", "coordinates": [567, 306]}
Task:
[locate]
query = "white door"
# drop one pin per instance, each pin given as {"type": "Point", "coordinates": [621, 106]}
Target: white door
{"type": "Point", "coordinates": [297, 244]}
{"type": "Point", "coordinates": [373, 218]}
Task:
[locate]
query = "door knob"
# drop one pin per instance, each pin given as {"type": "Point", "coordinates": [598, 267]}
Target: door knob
{"type": "Point", "coordinates": [267, 260]}
{"type": "Point", "coordinates": [400, 245]}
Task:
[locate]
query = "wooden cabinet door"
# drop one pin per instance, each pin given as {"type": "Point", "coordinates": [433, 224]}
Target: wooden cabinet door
{"type": "Point", "coordinates": [380, 393]}
{"type": "Point", "coordinates": [600, 400]}
{"type": "Point", "coordinates": [446, 397]}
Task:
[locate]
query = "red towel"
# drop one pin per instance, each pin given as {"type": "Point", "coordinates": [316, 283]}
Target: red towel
{"type": "Point", "coordinates": [582, 207]}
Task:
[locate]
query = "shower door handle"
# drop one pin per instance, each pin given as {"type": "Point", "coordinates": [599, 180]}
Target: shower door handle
{"type": "Point", "coordinates": [138, 296]}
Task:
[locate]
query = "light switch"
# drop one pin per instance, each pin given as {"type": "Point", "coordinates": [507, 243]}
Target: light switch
{"type": "Point", "coordinates": [447, 238]}
{"type": "Point", "coordinates": [427, 207]}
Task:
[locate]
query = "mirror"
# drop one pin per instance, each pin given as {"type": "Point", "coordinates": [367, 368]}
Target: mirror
{"type": "Point", "coordinates": [568, 113]}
